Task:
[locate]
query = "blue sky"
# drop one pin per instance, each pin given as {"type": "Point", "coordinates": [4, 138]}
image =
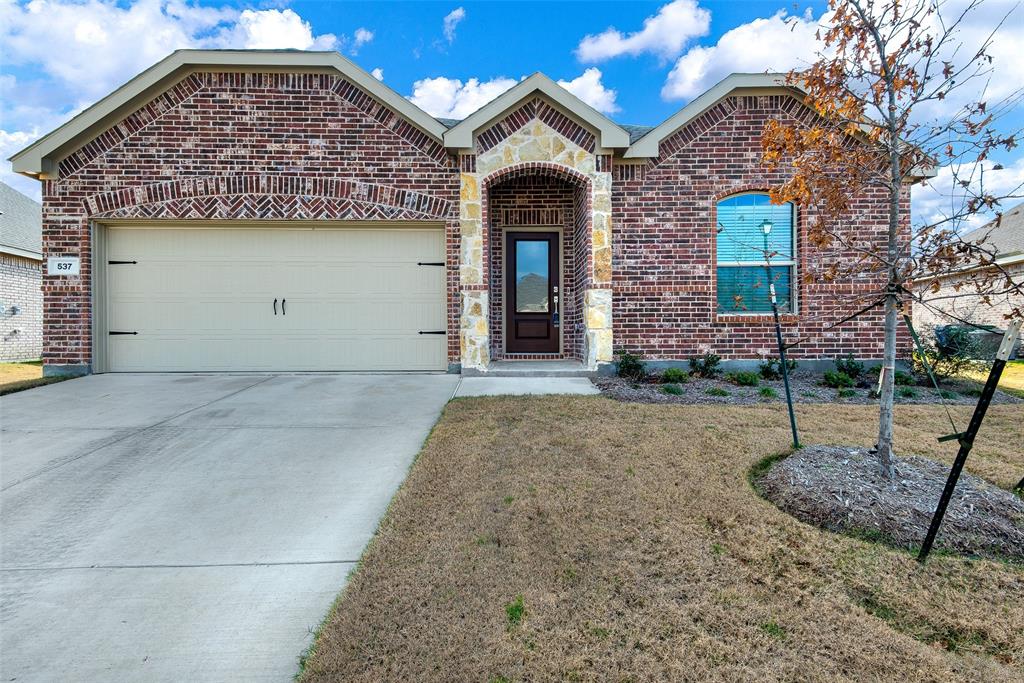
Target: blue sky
{"type": "Point", "coordinates": [637, 61]}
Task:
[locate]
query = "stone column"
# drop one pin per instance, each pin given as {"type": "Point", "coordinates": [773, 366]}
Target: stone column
{"type": "Point", "coordinates": [598, 298]}
{"type": "Point", "coordinates": [474, 336]}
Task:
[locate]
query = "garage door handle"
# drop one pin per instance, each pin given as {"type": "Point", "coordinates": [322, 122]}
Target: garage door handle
{"type": "Point", "coordinates": [283, 310]}
{"type": "Point", "coordinates": [433, 332]}
{"type": "Point", "coordinates": [275, 306]}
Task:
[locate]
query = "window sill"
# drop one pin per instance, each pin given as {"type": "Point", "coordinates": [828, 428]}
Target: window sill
{"type": "Point", "coordinates": [756, 318]}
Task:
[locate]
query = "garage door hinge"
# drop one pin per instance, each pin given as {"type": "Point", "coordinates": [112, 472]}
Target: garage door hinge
{"type": "Point", "coordinates": [430, 263]}
{"type": "Point", "coordinates": [433, 332]}
{"type": "Point", "coordinates": [119, 263]}
{"type": "Point", "coordinates": [113, 332]}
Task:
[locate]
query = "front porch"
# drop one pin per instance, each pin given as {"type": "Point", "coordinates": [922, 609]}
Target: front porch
{"type": "Point", "coordinates": [535, 258]}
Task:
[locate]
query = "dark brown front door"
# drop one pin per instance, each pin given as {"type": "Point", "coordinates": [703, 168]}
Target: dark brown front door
{"type": "Point", "coordinates": [531, 292]}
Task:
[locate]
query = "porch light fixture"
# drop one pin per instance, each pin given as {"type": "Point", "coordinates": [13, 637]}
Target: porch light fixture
{"type": "Point", "coordinates": [766, 226]}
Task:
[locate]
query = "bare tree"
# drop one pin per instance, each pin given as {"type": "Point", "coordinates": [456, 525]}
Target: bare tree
{"type": "Point", "coordinates": [895, 92]}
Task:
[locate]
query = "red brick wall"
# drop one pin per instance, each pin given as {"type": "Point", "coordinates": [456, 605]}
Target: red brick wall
{"type": "Point", "coordinates": [243, 146]}
{"type": "Point", "coordinates": [664, 303]}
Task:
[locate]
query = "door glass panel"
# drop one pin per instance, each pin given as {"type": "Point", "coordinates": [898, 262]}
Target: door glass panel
{"type": "Point", "coordinates": [532, 277]}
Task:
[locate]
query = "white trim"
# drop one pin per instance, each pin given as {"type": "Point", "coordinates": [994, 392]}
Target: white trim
{"type": "Point", "coordinates": [23, 253]}
{"type": "Point", "coordinates": [40, 159]}
{"type": "Point", "coordinates": [610, 134]}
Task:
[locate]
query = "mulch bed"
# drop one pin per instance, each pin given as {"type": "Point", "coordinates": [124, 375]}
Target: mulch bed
{"type": "Point", "coordinates": [841, 489]}
{"type": "Point", "coordinates": [806, 388]}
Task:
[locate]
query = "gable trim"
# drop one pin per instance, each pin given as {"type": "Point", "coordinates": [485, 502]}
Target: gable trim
{"type": "Point", "coordinates": [648, 145]}
{"type": "Point", "coordinates": [610, 134]}
{"type": "Point", "coordinates": [41, 158]}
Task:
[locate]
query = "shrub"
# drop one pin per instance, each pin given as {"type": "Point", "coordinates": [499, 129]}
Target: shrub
{"type": "Point", "coordinates": [838, 380]}
{"type": "Point", "coordinates": [846, 393]}
{"type": "Point", "coordinates": [906, 392]}
{"type": "Point", "coordinates": [949, 351]}
{"type": "Point", "coordinates": [903, 379]}
{"type": "Point", "coordinates": [706, 365]}
{"type": "Point", "coordinates": [947, 394]}
{"type": "Point", "coordinates": [673, 389]}
{"type": "Point", "coordinates": [675, 376]}
{"type": "Point", "coordinates": [850, 366]}
{"type": "Point", "coordinates": [631, 367]}
{"type": "Point", "coordinates": [771, 368]}
{"type": "Point", "coordinates": [768, 392]}
{"type": "Point", "coordinates": [716, 391]}
{"type": "Point", "coordinates": [744, 378]}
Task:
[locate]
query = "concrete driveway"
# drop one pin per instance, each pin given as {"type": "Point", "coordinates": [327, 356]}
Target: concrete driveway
{"type": "Point", "coordinates": [192, 527]}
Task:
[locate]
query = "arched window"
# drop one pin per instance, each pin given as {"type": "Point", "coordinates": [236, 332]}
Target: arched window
{"type": "Point", "coordinates": [749, 258]}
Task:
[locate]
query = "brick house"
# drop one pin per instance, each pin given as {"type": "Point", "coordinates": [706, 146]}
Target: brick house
{"type": "Point", "coordinates": [956, 301]}
{"type": "Point", "coordinates": [21, 276]}
{"type": "Point", "coordinates": [284, 210]}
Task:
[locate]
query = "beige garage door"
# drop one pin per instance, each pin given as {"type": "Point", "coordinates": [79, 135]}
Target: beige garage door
{"type": "Point", "coordinates": [219, 299]}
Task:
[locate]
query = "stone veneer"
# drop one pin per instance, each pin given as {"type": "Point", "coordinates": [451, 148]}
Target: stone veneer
{"type": "Point", "coordinates": [536, 148]}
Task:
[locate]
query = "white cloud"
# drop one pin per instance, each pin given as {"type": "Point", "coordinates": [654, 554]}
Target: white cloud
{"type": "Point", "coordinates": [942, 196]}
{"type": "Point", "coordinates": [269, 29]}
{"type": "Point", "coordinates": [452, 20]}
{"type": "Point", "coordinates": [11, 142]}
{"type": "Point", "coordinates": [68, 53]}
{"type": "Point", "coordinates": [378, 73]}
{"type": "Point", "coordinates": [361, 37]}
{"type": "Point", "coordinates": [665, 34]}
{"type": "Point", "coordinates": [451, 98]}
{"type": "Point", "coordinates": [589, 88]}
{"type": "Point", "coordinates": [778, 43]}
{"type": "Point", "coordinates": [89, 48]}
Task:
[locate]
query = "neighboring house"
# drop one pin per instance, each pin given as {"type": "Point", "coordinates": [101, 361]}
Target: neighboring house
{"type": "Point", "coordinates": [285, 210]}
{"type": "Point", "coordinates": [957, 299]}
{"type": "Point", "coordinates": [21, 276]}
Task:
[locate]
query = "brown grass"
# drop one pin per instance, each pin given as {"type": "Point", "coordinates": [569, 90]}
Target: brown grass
{"type": "Point", "coordinates": [16, 377]}
{"type": "Point", "coordinates": [19, 372]}
{"type": "Point", "coordinates": [642, 553]}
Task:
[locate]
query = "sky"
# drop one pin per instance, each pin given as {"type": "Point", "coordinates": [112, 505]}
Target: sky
{"type": "Point", "coordinates": [637, 62]}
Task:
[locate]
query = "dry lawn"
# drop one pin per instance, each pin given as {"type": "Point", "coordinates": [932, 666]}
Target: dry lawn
{"type": "Point", "coordinates": [641, 552]}
{"type": "Point", "coordinates": [19, 372]}
{"type": "Point", "coordinates": [16, 377]}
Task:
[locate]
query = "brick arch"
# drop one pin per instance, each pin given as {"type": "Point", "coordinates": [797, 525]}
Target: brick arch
{"type": "Point", "coordinates": [534, 168]}
{"type": "Point", "coordinates": [577, 260]}
{"type": "Point", "coordinates": [268, 197]}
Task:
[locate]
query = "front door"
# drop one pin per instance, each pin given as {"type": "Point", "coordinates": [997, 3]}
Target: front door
{"type": "Point", "coordinates": [532, 292]}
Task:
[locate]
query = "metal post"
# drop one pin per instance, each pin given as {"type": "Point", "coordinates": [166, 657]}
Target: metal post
{"type": "Point", "coordinates": [966, 439]}
{"type": "Point", "coordinates": [778, 339]}
{"type": "Point", "coordinates": [785, 367]}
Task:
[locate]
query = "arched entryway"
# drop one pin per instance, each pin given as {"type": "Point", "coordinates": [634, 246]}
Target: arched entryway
{"type": "Point", "coordinates": [538, 227]}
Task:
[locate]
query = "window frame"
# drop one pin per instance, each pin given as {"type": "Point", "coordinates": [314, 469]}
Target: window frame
{"type": "Point", "coordinates": [791, 263]}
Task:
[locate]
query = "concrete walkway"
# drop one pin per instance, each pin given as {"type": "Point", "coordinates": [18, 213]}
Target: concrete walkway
{"type": "Point", "coordinates": [517, 386]}
{"type": "Point", "coordinates": [192, 527]}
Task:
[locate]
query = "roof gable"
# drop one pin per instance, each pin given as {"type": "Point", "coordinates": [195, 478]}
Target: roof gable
{"type": "Point", "coordinates": [40, 159]}
{"type": "Point", "coordinates": [610, 134]}
{"type": "Point", "coordinates": [648, 144]}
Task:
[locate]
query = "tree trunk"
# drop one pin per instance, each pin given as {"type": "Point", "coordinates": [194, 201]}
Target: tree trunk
{"type": "Point", "coordinates": [887, 389]}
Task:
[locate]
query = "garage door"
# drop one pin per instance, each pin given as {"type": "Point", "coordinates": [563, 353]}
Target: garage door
{"type": "Point", "coordinates": [202, 299]}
